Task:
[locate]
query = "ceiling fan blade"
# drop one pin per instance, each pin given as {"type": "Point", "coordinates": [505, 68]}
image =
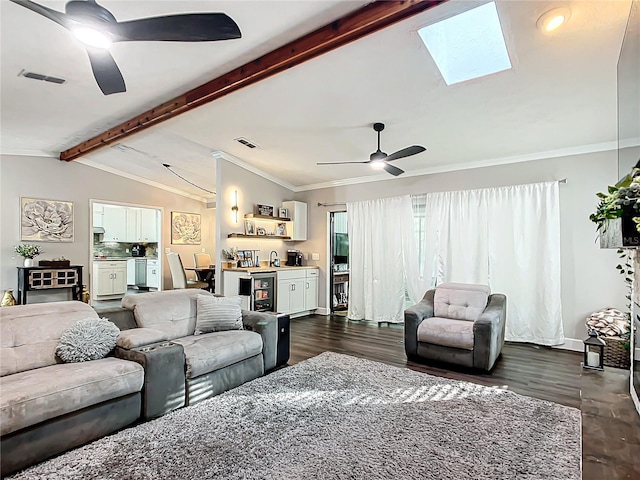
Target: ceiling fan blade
{"type": "Point", "coordinates": [58, 17]}
{"type": "Point", "coordinates": [189, 27]}
{"type": "Point", "coordinates": [339, 163]}
{"type": "Point", "coordinates": [405, 152]}
{"type": "Point", "coordinates": [393, 170]}
{"type": "Point", "coordinates": [106, 71]}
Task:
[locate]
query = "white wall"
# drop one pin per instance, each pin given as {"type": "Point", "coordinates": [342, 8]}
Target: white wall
{"type": "Point", "coordinates": [589, 277]}
{"type": "Point", "coordinates": [49, 178]}
{"type": "Point", "coordinates": [252, 190]}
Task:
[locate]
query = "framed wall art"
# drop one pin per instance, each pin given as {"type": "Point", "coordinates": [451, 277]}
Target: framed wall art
{"type": "Point", "coordinates": [186, 228]}
{"type": "Point", "coordinates": [46, 220]}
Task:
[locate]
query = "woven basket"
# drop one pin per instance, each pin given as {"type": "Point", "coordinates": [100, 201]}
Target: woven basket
{"type": "Point", "coordinates": [615, 353]}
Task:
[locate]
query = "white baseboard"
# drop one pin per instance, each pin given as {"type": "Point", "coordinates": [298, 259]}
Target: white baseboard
{"type": "Point", "coordinates": [322, 311]}
{"type": "Point", "coordinates": [572, 344]}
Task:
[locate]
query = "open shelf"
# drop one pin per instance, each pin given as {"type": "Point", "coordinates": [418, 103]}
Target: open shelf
{"type": "Point", "coordinates": [242, 235]}
{"type": "Point", "coordinates": [267, 217]}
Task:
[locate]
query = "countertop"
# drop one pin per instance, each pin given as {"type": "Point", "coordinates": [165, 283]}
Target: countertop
{"type": "Point", "coordinates": [266, 269]}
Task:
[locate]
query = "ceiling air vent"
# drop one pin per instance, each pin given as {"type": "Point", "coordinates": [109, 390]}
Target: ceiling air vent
{"type": "Point", "coordinates": [246, 142]}
{"type": "Point", "coordinates": [39, 76]}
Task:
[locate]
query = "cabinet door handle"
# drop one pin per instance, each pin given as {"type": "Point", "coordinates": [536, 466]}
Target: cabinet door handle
{"type": "Point", "coordinates": [307, 285]}
{"type": "Point", "coordinates": [293, 287]}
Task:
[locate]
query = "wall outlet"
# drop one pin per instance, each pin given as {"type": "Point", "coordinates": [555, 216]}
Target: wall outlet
{"type": "Point", "coordinates": [315, 256]}
{"type": "Point", "coordinates": [126, 250]}
{"type": "Point", "coordinates": [305, 255]}
{"type": "Point", "coordinates": [203, 250]}
{"type": "Point", "coordinates": [167, 250]}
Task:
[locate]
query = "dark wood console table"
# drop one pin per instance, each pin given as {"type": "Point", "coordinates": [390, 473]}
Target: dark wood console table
{"type": "Point", "coordinates": [46, 278]}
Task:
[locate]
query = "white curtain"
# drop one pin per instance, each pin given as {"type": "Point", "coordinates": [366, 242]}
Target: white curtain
{"type": "Point", "coordinates": [379, 231]}
{"type": "Point", "coordinates": [508, 238]}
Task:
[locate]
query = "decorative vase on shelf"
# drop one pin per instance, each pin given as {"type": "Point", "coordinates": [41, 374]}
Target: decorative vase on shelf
{"type": "Point", "coordinates": [8, 299]}
{"type": "Point", "coordinates": [29, 262]}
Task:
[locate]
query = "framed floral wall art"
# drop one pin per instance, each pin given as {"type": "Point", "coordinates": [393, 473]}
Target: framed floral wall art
{"type": "Point", "coordinates": [185, 228]}
{"type": "Point", "coordinates": [46, 220]}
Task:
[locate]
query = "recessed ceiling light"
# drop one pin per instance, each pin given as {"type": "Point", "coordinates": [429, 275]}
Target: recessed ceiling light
{"type": "Point", "coordinates": [553, 19]}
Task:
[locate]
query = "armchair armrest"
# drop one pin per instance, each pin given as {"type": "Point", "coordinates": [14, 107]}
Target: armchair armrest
{"type": "Point", "coordinates": [488, 332]}
{"type": "Point", "coordinates": [164, 387]}
{"type": "Point", "coordinates": [138, 337]}
{"type": "Point", "coordinates": [413, 317]}
{"type": "Point", "coordinates": [267, 326]}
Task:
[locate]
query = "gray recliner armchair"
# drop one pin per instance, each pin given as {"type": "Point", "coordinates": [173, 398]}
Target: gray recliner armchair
{"type": "Point", "coordinates": [457, 323]}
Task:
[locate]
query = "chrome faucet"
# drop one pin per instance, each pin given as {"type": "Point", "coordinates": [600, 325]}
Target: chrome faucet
{"type": "Point", "coordinates": [274, 262]}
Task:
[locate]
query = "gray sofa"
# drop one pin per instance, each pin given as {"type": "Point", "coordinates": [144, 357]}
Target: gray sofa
{"type": "Point", "coordinates": [182, 368]}
{"type": "Point", "coordinates": [457, 323]}
{"type": "Point", "coordinates": [48, 407]}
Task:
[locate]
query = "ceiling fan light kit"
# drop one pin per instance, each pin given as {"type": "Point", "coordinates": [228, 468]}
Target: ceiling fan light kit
{"type": "Point", "coordinates": [97, 28]}
{"type": "Point", "coordinates": [379, 159]}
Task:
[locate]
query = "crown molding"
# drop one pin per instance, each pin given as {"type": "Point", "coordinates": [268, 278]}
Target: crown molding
{"type": "Point", "coordinates": [99, 166]}
{"type": "Point", "coordinates": [220, 155]}
{"type": "Point", "coordinates": [563, 152]}
{"type": "Point", "coordinates": [24, 152]}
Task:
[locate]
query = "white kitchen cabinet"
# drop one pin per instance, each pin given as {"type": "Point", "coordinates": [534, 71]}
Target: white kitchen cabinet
{"type": "Point", "coordinates": [297, 293]}
{"type": "Point", "coordinates": [115, 224]}
{"type": "Point", "coordinates": [311, 289]}
{"type": "Point", "coordinates": [153, 274]}
{"type": "Point", "coordinates": [147, 225]}
{"type": "Point", "coordinates": [110, 279]}
{"type": "Point", "coordinates": [142, 225]}
{"type": "Point", "coordinates": [297, 212]}
{"type": "Point", "coordinates": [131, 271]}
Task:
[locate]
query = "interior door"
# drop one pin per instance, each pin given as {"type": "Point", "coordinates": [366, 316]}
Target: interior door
{"type": "Point", "coordinates": [339, 275]}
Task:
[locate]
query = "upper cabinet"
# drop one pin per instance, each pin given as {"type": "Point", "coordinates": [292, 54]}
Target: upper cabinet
{"type": "Point", "coordinates": [114, 221]}
{"type": "Point", "coordinates": [297, 212]}
{"type": "Point", "coordinates": [127, 224]}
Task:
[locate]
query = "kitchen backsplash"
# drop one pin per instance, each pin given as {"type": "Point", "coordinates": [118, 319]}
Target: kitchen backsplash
{"type": "Point", "coordinates": [121, 249]}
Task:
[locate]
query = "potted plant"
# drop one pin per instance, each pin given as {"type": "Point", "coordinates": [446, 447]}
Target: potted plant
{"type": "Point", "coordinates": [28, 252]}
{"type": "Point", "coordinates": [617, 216]}
{"type": "Point", "coordinates": [231, 256]}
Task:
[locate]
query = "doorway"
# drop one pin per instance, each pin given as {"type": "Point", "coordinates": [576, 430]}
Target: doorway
{"type": "Point", "coordinates": [339, 248]}
{"type": "Point", "coordinates": [125, 244]}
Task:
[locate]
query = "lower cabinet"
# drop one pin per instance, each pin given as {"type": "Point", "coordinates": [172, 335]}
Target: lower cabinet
{"type": "Point", "coordinates": [297, 290]}
{"type": "Point", "coordinates": [110, 279]}
{"type": "Point", "coordinates": [153, 274]}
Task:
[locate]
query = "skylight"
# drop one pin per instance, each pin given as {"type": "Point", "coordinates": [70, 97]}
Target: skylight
{"type": "Point", "coordinates": [468, 45]}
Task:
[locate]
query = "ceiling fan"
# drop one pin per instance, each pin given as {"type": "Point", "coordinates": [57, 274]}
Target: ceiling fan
{"type": "Point", "coordinates": [379, 159]}
{"type": "Point", "coordinates": [97, 28]}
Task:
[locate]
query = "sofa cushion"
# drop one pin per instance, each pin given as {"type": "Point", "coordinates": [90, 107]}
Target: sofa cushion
{"type": "Point", "coordinates": [460, 301]}
{"type": "Point", "coordinates": [218, 314]}
{"type": "Point", "coordinates": [37, 395]}
{"type": "Point", "coordinates": [29, 334]}
{"type": "Point", "coordinates": [88, 339]}
{"type": "Point", "coordinates": [446, 332]}
{"type": "Point", "coordinates": [172, 312]}
{"type": "Point", "coordinates": [213, 351]}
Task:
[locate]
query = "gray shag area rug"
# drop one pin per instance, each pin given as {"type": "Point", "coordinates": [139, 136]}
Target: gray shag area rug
{"type": "Point", "coordinates": [340, 417]}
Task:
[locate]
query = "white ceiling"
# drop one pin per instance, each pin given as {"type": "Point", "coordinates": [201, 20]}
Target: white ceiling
{"type": "Point", "coordinates": [559, 97]}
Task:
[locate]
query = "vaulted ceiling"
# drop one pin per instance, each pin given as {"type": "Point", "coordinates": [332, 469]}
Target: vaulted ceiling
{"type": "Point", "coordinates": [559, 97]}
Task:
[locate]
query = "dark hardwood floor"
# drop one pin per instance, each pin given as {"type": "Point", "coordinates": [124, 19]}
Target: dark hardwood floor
{"type": "Point", "coordinates": [610, 423]}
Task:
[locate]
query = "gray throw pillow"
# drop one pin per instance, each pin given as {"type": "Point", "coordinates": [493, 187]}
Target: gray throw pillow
{"type": "Point", "coordinates": [88, 339]}
{"type": "Point", "coordinates": [217, 314]}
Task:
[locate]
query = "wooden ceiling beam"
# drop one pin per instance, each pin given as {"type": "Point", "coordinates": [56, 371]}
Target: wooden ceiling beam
{"type": "Point", "coordinates": [364, 21]}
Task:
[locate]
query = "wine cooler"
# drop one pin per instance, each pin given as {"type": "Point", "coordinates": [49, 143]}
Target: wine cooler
{"type": "Point", "coordinates": [261, 290]}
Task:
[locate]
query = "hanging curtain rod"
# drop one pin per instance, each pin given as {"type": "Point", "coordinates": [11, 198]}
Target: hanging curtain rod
{"type": "Point", "coordinates": [564, 180]}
